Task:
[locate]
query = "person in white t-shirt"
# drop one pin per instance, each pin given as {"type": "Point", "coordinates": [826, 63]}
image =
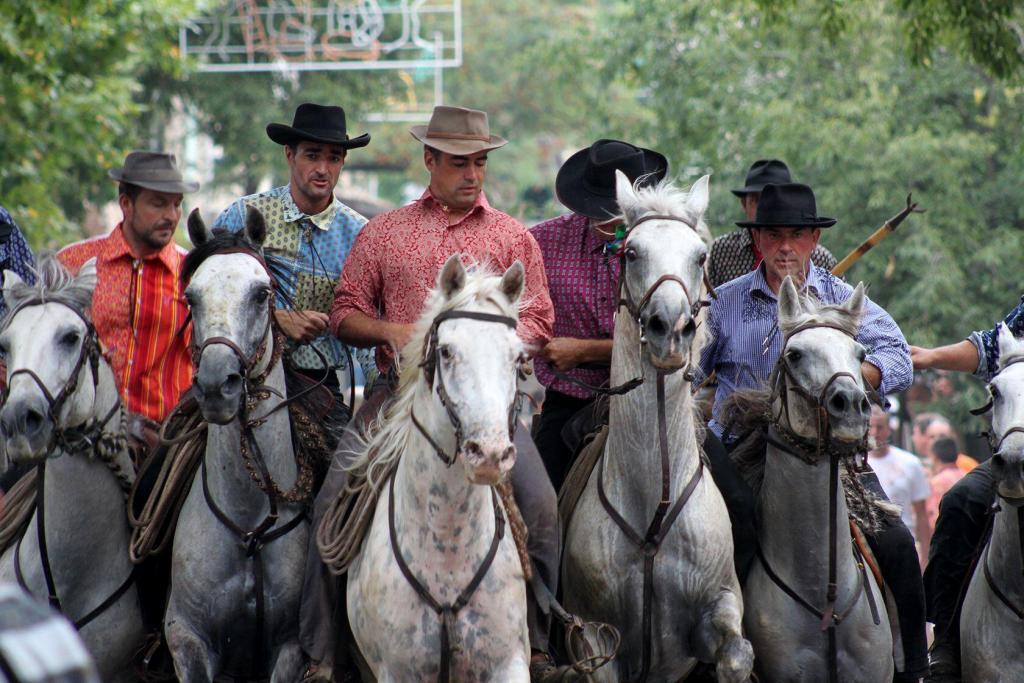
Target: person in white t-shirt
{"type": "Point", "coordinates": [903, 479]}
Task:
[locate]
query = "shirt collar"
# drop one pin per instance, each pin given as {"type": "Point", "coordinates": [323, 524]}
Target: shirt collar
{"type": "Point", "coordinates": [480, 205]}
{"type": "Point", "coordinates": [759, 283]}
{"type": "Point", "coordinates": [322, 220]}
{"type": "Point", "coordinates": [117, 247]}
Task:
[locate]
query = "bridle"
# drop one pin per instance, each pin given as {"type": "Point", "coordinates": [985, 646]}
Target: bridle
{"type": "Point", "coordinates": [811, 451]}
{"type": "Point", "coordinates": [435, 377]}
{"type": "Point", "coordinates": [91, 435]}
{"type": "Point", "coordinates": [636, 308]}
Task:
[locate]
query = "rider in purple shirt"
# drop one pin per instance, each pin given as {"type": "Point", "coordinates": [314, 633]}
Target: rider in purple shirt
{"type": "Point", "coordinates": [583, 277]}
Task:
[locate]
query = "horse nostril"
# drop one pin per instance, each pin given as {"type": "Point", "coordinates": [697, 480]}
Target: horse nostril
{"type": "Point", "coordinates": [865, 407]}
{"type": "Point", "coordinates": [33, 421]}
{"type": "Point", "coordinates": [838, 403]}
{"type": "Point", "coordinates": [472, 448]}
{"type": "Point", "coordinates": [998, 461]}
{"type": "Point", "coordinates": [690, 328]}
{"type": "Point", "coordinates": [232, 384]}
{"type": "Point", "coordinates": [656, 325]}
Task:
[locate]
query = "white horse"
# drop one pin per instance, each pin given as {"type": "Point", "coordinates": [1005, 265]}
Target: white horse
{"type": "Point", "coordinates": [63, 414]}
{"type": "Point", "coordinates": [818, 373]}
{"type": "Point", "coordinates": [241, 537]}
{"type": "Point", "coordinates": [437, 592]}
{"type": "Point", "coordinates": [991, 630]}
{"type": "Point", "coordinates": [649, 546]}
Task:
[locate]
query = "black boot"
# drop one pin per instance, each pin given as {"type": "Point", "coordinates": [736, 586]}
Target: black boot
{"type": "Point", "coordinates": [944, 662]}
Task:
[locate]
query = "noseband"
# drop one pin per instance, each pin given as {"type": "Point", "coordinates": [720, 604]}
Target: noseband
{"type": "Point", "coordinates": [783, 381]}
{"type": "Point", "coordinates": [431, 373]}
{"type": "Point", "coordinates": [995, 443]}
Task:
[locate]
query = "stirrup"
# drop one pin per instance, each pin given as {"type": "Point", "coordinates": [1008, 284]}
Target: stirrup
{"type": "Point", "coordinates": [546, 671]}
{"type": "Point", "coordinates": [315, 673]}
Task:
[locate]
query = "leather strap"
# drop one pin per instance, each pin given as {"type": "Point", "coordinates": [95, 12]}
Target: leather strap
{"type": "Point", "coordinates": [447, 613]}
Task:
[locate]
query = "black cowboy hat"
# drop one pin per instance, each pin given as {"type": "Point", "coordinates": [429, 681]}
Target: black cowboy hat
{"type": "Point", "coordinates": [790, 205]}
{"type": "Point", "coordinates": [316, 123]}
{"type": "Point", "coordinates": [586, 181]}
{"type": "Point", "coordinates": [761, 173]}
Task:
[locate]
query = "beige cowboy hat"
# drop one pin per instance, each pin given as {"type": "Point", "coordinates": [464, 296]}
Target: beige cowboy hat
{"type": "Point", "coordinates": [156, 171]}
{"type": "Point", "coordinates": [457, 130]}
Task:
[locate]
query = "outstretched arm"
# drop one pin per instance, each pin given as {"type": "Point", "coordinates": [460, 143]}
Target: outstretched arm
{"type": "Point", "coordinates": [962, 357]}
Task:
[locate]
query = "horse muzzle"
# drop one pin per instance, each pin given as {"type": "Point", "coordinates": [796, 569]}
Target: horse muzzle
{"type": "Point", "coordinates": [27, 429]}
{"type": "Point", "coordinates": [219, 385]}
{"type": "Point", "coordinates": [487, 460]}
{"type": "Point", "coordinates": [668, 336]}
{"type": "Point", "coordinates": [1008, 470]}
{"type": "Point", "coordinates": [849, 411]}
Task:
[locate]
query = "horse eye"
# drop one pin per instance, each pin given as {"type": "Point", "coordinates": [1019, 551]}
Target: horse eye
{"type": "Point", "coordinates": [702, 260]}
{"type": "Point", "coordinates": [994, 391]}
{"type": "Point", "coordinates": [190, 300]}
{"type": "Point", "coordinates": [794, 356]}
{"type": "Point", "coordinates": [862, 353]}
{"type": "Point", "coordinates": [69, 339]}
{"type": "Point", "coordinates": [631, 254]}
{"type": "Point", "coordinates": [445, 352]}
{"type": "Point", "coordinates": [262, 296]}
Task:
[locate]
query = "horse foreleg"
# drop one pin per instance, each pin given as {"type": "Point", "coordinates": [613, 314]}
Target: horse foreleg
{"type": "Point", "coordinates": [194, 661]}
{"type": "Point", "coordinates": [288, 665]}
{"type": "Point", "coordinates": [720, 634]}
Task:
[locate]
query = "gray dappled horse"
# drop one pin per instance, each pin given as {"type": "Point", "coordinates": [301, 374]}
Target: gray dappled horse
{"type": "Point", "coordinates": [440, 532]}
{"type": "Point", "coordinates": [819, 413]}
{"type": "Point", "coordinates": [240, 541]}
{"type": "Point", "coordinates": [992, 620]}
{"type": "Point", "coordinates": [64, 415]}
{"type": "Point", "coordinates": [673, 594]}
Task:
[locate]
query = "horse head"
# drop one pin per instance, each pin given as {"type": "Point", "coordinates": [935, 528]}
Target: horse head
{"type": "Point", "coordinates": [819, 390]}
{"type": "Point", "coordinates": [230, 295]}
{"type": "Point", "coordinates": [52, 358]}
{"type": "Point", "coordinates": [1007, 390]}
{"type": "Point", "coordinates": [471, 359]}
{"type": "Point", "coordinates": [663, 257]}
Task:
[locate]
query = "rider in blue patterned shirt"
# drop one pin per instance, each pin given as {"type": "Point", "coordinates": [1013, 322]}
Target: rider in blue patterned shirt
{"type": "Point", "coordinates": [15, 254]}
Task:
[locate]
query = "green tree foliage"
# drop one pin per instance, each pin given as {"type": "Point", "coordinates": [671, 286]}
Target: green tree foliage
{"type": "Point", "coordinates": [71, 100]}
{"type": "Point", "coordinates": [860, 124]}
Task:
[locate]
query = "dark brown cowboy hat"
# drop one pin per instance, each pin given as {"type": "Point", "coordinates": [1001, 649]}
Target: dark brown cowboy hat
{"type": "Point", "coordinates": [156, 171]}
{"type": "Point", "coordinates": [790, 205]}
{"type": "Point", "coordinates": [761, 173]}
{"type": "Point", "coordinates": [316, 123]}
{"type": "Point", "coordinates": [586, 181]}
{"type": "Point", "coordinates": [458, 131]}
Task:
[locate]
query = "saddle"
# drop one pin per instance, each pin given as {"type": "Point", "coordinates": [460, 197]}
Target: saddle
{"type": "Point", "coordinates": [591, 448]}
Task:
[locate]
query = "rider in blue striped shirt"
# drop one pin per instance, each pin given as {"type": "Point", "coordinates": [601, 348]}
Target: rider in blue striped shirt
{"type": "Point", "coordinates": [745, 343]}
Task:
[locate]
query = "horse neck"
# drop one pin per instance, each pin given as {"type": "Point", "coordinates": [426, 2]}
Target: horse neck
{"type": "Point", "coordinates": [633, 454]}
{"type": "Point", "coordinates": [83, 498]}
{"type": "Point", "coordinates": [436, 506]}
{"type": "Point", "coordinates": [230, 482]}
{"type": "Point", "coordinates": [793, 527]}
{"type": "Point", "coordinates": [1005, 561]}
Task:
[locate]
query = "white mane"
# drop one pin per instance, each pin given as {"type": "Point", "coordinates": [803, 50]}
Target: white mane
{"type": "Point", "coordinates": [388, 435]}
{"type": "Point", "coordinates": [664, 198]}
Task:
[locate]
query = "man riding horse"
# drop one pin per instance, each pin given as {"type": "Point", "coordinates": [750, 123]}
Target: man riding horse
{"type": "Point", "coordinates": [745, 343]}
{"type": "Point", "coordinates": [964, 510]}
{"type": "Point", "coordinates": [393, 264]}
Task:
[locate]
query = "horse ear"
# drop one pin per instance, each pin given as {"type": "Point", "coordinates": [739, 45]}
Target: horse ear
{"type": "Point", "coordinates": [624, 194]}
{"type": "Point", "coordinates": [255, 225]}
{"type": "Point", "coordinates": [700, 193]}
{"type": "Point", "coordinates": [197, 231]}
{"type": "Point", "coordinates": [790, 306]}
{"type": "Point", "coordinates": [11, 280]}
{"type": "Point", "coordinates": [452, 277]}
{"type": "Point", "coordinates": [86, 277]}
{"type": "Point", "coordinates": [855, 304]}
{"type": "Point", "coordinates": [1009, 345]}
{"type": "Point", "coordinates": [513, 280]}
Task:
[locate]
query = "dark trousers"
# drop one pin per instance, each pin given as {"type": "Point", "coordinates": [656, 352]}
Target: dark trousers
{"type": "Point", "coordinates": [959, 531]}
{"type": "Point", "coordinates": [557, 455]}
{"type": "Point", "coordinates": [893, 546]}
{"type": "Point", "coordinates": [323, 613]}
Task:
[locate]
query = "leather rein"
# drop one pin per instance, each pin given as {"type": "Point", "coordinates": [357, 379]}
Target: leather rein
{"type": "Point", "coordinates": [448, 613]}
{"type": "Point", "coordinates": [995, 443]}
{"type": "Point", "coordinates": [92, 435]}
{"type": "Point", "coordinates": [781, 436]}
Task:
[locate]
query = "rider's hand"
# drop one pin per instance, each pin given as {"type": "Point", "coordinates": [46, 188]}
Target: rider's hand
{"type": "Point", "coordinates": [398, 335]}
{"type": "Point", "coordinates": [921, 357]}
{"type": "Point", "coordinates": [302, 326]}
{"type": "Point", "coordinates": [564, 353]}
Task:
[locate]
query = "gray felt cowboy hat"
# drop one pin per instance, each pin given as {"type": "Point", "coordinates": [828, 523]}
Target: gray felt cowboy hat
{"type": "Point", "coordinates": [316, 123]}
{"type": "Point", "coordinates": [457, 130]}
{"type": "Point", "coordinates": [154, 171]}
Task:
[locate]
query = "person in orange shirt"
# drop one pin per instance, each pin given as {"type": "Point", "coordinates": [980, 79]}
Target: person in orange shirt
{"type": "Point", "coordinates": [139, 307]}
{"type": "Point", "coordinates": [945, 475]}
{"type": "Point", "coordinates": [929, 427]}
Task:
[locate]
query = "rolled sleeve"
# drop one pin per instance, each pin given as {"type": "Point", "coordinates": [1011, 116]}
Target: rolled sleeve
{"type": "Point", "coordinates": [361, 282]}
{"type": "Point", "coordinates": [986, 342]}
{"type": "Point", "coordinates": [887, 349]}
{"type": "Point", "coordinates": [537, 317]}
